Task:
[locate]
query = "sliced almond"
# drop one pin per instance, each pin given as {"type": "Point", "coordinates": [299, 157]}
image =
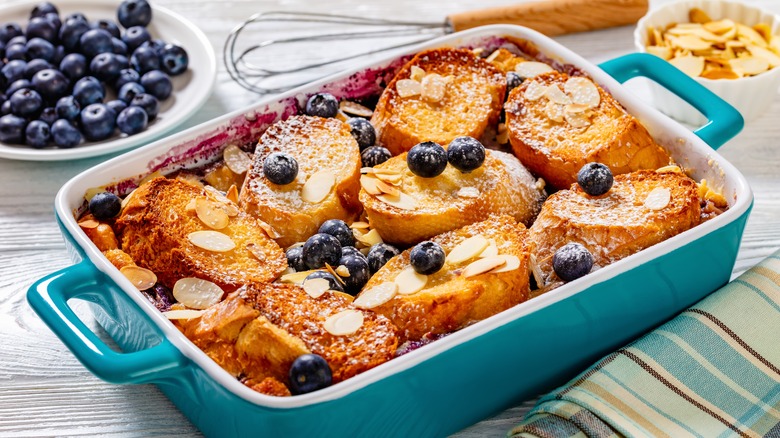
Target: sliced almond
{"type": "Point", "coordinates": [468, 249]}
{"type": "Point", "coordinates": [696, 15]}
{"type": "Point", "coordinates": [295, 277]}
{"type": "Point", "coordinates": [89, 224]}
{"type": "Point", "coordinates": [553, 111]}
{"type": "Point", "coordinates": [256, 250]}
{"type": "Point", "coordinates": [530, 69]}
{"type": "Point", "coordinates": [582, 91]}
{"type": "Point", "coordinates": [335, 274]}
{"type": "Point", "coordinates": [342, 271]}
{"type": "Point", "coordinates": [750, 65]}
{"type": "Point", "coordinates": [370, 238]}
{"type": "Point", "coordinates": [512, 262]}
{"type": "Point", "coordinates": [417, 73]}
{"type": "Point", "coordinates": [318, 186]}
{"type": "Point", "coordinates": [658, 198]}
{"type": "Point", "coordinates": [434, 87]}
{"type": "Point", "coordinates": [236, 159]}
{"type": "Point", "coordinates": [491, 250]}
{"type": "Point", "coordinates": [403, 201]}
{"type": "Point", "coordinates": [211, 214]}
{"type": "Point", "coordinates": [190, 207]}
{"type": "Point", "coordinates": [689, 42]}
{"type": "Point", "coordinates": [483, 266]}
{"type": "Point", "coordinates": [669, 169]}
{"type": "Point", "coordinates": [408, 88]}
{"type": "Point", "coordinates": [370, 185]}
{"type": "Point", "coordinates": [393, 179]}
{"type": "Point", "coordinates": [344, 323]}
{"type": "Point", "coordinates": [141, 278]}
{"type": "Point", "coordinates": [211, 241]}
{"type": "Point", "coordinates": [355, 109]}
{"type": "Point", "coordinates": [315, 287]}
{"type": "Point", "coordinates": [387, 188]}
{"type": "Point", "coordinates": [409, 281]}
{"type": "Point", "coordinates": [468, 192]}
{"type": "Point", "coordinates": [269, 230]}
{"type": "Point", "coordinates": [380, 171]}
{"type": "Point", "coordinates": [759, 52]}
{"type": "Point", "coordinates": [197, 293]}
{"type": "Point", "coordinates": [359, 225]}
{"type": "Point", "coordinates": [750, 34]}
{"type": "Point", "coordinates": [534, 91]}
{"type": "Point", "coordinates": [127, 199]}
{"type": "Point", "coordinates": [660, 51]}
{"type": "Point", "coordinates": [556, 95]}
{"type": "Point", "coordinates": [493, 55]}
{"type": "Point", "coordinates": [577, 120]}
{"type": "Point", "coordinates": [536, 271]}
{"type": "Point", "coordinates": [376, 296]}
{"type": "Point", "coordinates": [690, 65]}
{"type": "Point", "coordinates": [232, 193]}
{"type": "Point", "coordinates": [175, 315]}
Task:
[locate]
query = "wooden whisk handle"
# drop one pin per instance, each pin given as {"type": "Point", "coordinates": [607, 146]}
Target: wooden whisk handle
{"type": "Point", "coordinates": [555, 17]}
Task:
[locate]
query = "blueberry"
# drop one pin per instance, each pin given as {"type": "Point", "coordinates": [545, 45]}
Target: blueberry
{"type": "Point", "coordinates": [309, 372]}
{"type": "Point", "coordinates": [74, 66]}
{"type": "Point", "coordinates": [126, 75]}
{"type": "Point", "coordinates": [427, 257]}
{"type": "Point", "coordinates": [71, 32]}
{"type": "Point", "coordinates": [351, 250]}
{"type": "Point", "coordinates": [149, 104]}
{"type": "Point", "coordinates": [68, 108]}
{"type": "Point", "coordinates": [59, 54]}
{"type": "Point", "coordinates": [363, 131]}
{"type": "Point", "coordinates": [106, 66]}
{"type": "Point", "coordinates": [21, 39]}
{"type": "Point", "coordinates": [374, 156]}
{"type": "Point", "coordinates": [132, 120]}
{"type": "Point", "coordinates": [513, 80]}
{"type": "Point", "coordinates": [12, 129]}
{"type": "Point", "coordinates": [572, 261]}
{"type": "Point", "coordinates": [466, 153]}
{"type": "Point", "coordinates": [145, 59]}
{"type": "Point", "coordinates": [2, 52]}
{"type": "Point", "coordinates": [595, 179]}
{"type": "Point", "coordinates": [37, 134]}
{"type": "Point", "coordinates": [379, 254]}
{"type": "Point", "coordinates": [55, 21]}
{"type": "Point", "coordinates": [107, 25]}
{"type": "Point", "coordinates": [135, 36]}
{"type": "Point", "coordinates": [16, 51]}
{"type": "Point", "coordinates": [43, 8]}
{"type": "Point", "coordinates": [320, 249]}
{"type": "Point", "coordinates": [98, 122]}
{"type": "Point", "coordinates": [26, 103]}
{"type": "Point", "coordinates": [280, 168]}
{"type": "Point", "coordinates": [427, 159]}
{"type": "Point", "coordinates": [35, 66]}
{"type": "Point", "coordinates": [134, 13]}
{"type": "Point", "coordinates": [78, 16]}
{"type": "Point", "coordinates": [95, 41]}
{"type": "Point", "coordinates": [173, 59]}
{"type": "Point", "coordinates": [48, 115]}
{"type": "Point", "coordinates": [156, 44]}
{"type": "Point", "coordinates": [338, 229]}
{"type": "Point", "coordinates": [359, 273]}
{"type": "Point", "coordinates": [105, 205]}
{"type": "Point", "coordinates": [39, 48]}
{"type": "Point", "coordinates": [51, 83]}
{"type": "Point", "coordinates": [88, 90]}
{"type": "Point", "coordinates": [295, 259]}
{"type": "Point", "coordinates": [10, 30]}
{"type": "Point", "coordinates": [18, 85]}
{"type": "Point", "coordinates": [64, 134]}
{"type": "Point", "coordinates": [322, 105]}
{"type": "Point", "coordinates": [40, 27]}
{"type": "Point", "coordinates": [117, 106]}
{"type": "Point", "coordinates": [157, 83]}
{"type": "Point", "coordinates": [333, 283]}
{"type": "Point", "coordinates": [5, 108]}
{"type": "Point", "coordinates": [120, 48]}
{"type": "Point", "coordinates": [14, 70]}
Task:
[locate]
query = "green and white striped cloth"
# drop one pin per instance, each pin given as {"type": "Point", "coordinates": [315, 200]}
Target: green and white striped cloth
{"type": "Point", "coordinates": [713, 371]}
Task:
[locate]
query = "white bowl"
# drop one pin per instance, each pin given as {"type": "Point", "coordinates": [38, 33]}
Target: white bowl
{"type": "Point", "coordinates": [751, 96]}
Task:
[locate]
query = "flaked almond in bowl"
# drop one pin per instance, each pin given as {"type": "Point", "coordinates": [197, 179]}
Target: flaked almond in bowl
{"type": "Point", "coordinates": [731, 48]}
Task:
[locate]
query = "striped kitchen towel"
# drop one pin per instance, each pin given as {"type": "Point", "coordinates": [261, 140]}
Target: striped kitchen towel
{"type": "Point", "coordinates": [713, 371]}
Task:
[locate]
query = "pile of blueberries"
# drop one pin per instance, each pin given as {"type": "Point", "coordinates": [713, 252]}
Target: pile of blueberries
{"type": "Point", "coordinates": [54, 74]}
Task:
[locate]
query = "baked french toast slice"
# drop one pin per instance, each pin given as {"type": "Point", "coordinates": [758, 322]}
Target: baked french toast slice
{"type": "Point", "coordinates": [641, 209]}
{"type": "Point", "coordinates": [558, 123]}
{"type": "Point", "coordinates": [457, 93]}
{"type": "Point", "coordinates": [260, 330]}
{"type": "Point", "coordinates": [431, 206]}
{"type": "Point", "coordinates": [155, 229]}
{"type": "Point", "coordinates": [453, 298]}
{"type": "Point", "coordinates": [328, 159]}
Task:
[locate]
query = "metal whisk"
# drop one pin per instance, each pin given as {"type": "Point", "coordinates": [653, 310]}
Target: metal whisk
{"type": "Point", "coordinates": [551, 17]}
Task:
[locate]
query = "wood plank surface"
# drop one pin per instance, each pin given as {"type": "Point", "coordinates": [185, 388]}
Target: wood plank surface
{"type": "Point", "coordinates": [45, 391]}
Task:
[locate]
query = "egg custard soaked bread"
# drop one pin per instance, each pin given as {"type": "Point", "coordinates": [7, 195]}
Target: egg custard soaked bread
{"type": "Point", "coordinates": [558, 123]}
{"type": "Point", "coordinates": [327, 184]}
{"type": "Point", "coordinates": [641, 209]}
{"type": "Point", "coordinates": [156, 229]}
{"type": "Point", "coordinates": [430, 206]}
{"type": "Point", "coordinates": [438, 95]}
{"type": "Point", "coordinates": [485, 272]}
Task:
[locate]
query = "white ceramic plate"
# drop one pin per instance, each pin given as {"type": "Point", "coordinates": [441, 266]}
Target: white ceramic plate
{"type": "Point", "coordinates": [190, 90]}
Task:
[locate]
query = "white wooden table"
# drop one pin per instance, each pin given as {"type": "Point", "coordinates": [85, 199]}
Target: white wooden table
{"type": "Point", "coordinates": [44, 390]}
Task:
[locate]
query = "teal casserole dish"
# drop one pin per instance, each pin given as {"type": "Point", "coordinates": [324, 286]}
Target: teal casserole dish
{"type": "Point", "coordinates": [448, 384]}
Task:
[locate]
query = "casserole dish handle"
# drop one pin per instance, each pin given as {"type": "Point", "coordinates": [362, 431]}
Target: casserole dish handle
{"type": "Point", "coordinates": [723, 120]}
{"type": "Point", "coordinates": [49, 298]}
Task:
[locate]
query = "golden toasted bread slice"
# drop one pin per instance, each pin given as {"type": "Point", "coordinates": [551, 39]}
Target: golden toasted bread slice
{"type": "Point", "coordinates": [558, 123]}
{"type": "Point", "coordinates": [155, 230]}
{"type": "Point", "coordinates": [641, 209]}
{"type": "Point", "coordinates": [430, 206]}
{"type": "Point", "coordinates": [259, 331]}
{"type": "Point", "coordinates": [504, 60]}
{"type": "Point", "coordinates": [327, 184]}
{"type": "Point", "coordinates": [456, 93]}
{"type": "Point", "coordinates": [460, 293]}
